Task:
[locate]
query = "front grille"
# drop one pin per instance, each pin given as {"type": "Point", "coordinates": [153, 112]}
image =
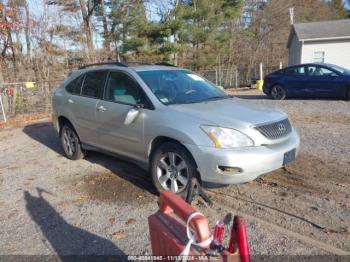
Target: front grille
{"type": "Point", "coordinates": [275, 130]}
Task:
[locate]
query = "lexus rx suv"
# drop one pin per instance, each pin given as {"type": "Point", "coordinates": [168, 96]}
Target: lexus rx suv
{"type": "Point", "coordinates": [172, 122]}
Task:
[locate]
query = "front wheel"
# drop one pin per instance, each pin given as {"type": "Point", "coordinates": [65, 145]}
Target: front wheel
{"type": "Point", "coordinates": [172, 168]}
{"type": "Point", "coordinates": [278, 92]}
{"type": "Point", "coordinates": [71, 143]}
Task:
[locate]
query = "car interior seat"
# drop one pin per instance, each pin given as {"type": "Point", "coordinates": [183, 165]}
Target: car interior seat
{"type": "Point", "coordinates": [118, 93]}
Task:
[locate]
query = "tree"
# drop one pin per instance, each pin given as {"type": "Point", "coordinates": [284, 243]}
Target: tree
{"type": "Point", "coordinates": [338, 8]}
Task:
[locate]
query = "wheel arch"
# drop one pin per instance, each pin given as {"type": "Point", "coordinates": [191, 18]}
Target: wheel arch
{"type": "Point", "coordinates": [276, 84]}
{"type": "Point", "coordinates": [160, 140]}
{"type": "Point", "coordinates": [62, 120]}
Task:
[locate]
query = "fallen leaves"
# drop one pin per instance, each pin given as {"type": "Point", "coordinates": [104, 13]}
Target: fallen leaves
{"type": "Point", "coordinates": [130, 221]}
{"type": "Point", "coordinates": [118, 235]}
{"type": "Point", "coordinates": [112, 220]}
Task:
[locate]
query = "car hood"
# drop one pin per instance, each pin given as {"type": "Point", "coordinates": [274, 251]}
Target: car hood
{"type": "Point", "coordinates": [233, 112]}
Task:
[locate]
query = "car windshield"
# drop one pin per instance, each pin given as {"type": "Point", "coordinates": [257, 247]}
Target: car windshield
{"type": "Point", "coordinates": [180, 87]}
{"type": "Point", "coordinates": [340, 69]}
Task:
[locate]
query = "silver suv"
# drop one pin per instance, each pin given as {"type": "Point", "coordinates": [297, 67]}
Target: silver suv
{"type": "Point", "coordinates": [173, 122]}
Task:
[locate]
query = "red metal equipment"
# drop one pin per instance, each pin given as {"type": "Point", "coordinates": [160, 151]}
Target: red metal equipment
{"type": "Point", "coordinates": [169, 237]}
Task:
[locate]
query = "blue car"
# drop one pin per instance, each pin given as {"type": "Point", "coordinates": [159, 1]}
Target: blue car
{"type": "Point", "coordinates": [308, 81]}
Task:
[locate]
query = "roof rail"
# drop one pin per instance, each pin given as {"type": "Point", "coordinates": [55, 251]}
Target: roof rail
{"type": "Point", "coordinates": [104, 63]}
{"type": "Point", "coordinates": [165, 64]}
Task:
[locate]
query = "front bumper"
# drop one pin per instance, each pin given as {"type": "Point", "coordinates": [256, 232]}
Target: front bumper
{"type": "Point", "coordinates": [253, 161]}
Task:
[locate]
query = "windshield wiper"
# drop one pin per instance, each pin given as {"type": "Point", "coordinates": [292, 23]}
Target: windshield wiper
{"type": "Point", "coordinates": [215, 98]}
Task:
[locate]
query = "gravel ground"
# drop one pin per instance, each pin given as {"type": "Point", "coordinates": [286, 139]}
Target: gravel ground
{"type": "Point", "coordinates": [99, 205]}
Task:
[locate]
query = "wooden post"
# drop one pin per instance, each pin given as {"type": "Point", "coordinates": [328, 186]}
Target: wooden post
{"type": "Point", "coordinates": [281, 65]}
{"type": "Point", "coordinates": [2, 108]}
{"type": "Point", "coordinates": [236, 78]}
{"type": "Point", "coordinates": [261, 72]}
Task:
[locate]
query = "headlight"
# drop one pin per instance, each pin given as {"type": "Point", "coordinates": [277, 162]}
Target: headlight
{"type": "Point", "coordinates": [227, 137]}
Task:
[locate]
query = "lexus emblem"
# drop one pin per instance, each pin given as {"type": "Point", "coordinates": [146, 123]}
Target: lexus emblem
{"type": "Point", "coordinates": [281, 128]}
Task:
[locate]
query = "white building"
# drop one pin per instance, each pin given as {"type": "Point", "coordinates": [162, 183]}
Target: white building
{"type": "Point", "coordinates": [320, 42]}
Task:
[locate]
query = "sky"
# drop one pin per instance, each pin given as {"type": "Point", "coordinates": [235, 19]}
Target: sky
{"type": "Point", "coordinates": [37, 6]}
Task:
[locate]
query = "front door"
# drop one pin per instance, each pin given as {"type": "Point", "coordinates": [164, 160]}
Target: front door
{"type": "Point", "coordinates": [122, 93]}
{"type": "Point", "coordinates": [324, 82]}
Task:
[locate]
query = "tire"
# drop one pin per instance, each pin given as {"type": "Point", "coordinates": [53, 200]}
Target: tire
{"type": "Point", "coordinates": [348, 94]}
{"type": "Point", "coordinates": [277, 92]}
{"type": "Point", "coordinates": [71, 143]}
{"type": "Point", "coordinates": [172, 168]}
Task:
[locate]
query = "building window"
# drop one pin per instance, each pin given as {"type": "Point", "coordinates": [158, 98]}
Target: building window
{"type": "Point", "coordinates": [319, 57]}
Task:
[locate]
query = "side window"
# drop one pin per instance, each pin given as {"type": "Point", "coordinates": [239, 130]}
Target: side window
{"type": "Point", "coordinates": [294, 71]}
{"type": "Point", "coordinates": [121, 88]}
{"type": "Point", "coordinates": [74, 87]}
{"type": "Point", "coordinates": [319, 71]}
{"type": "Point", "coordinates": [94, 83]}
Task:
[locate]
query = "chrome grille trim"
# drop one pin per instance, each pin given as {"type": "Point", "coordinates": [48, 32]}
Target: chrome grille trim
{"type": "Point", "coordinates": [275, 130]}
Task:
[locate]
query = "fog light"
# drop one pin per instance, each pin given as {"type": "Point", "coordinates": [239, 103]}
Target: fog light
{"type": "Point", "coordinates": [230, 170]}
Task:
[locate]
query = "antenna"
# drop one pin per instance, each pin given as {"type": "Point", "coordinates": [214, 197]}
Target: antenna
{"type": "Point", "coordinates": [291, 14]}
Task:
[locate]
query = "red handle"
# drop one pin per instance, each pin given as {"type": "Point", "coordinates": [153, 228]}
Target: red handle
{"type": "Point", "coordinates": [242, 239]}
{"type": "Point", "coordinates": [171, 203]}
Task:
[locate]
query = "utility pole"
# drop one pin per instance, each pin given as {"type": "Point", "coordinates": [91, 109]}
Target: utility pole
{"type": "Point", "coordinates": [291, 14]}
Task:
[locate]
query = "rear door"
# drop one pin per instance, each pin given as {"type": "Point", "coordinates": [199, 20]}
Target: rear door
{"type": "Point", "coordinates": [85, 106]}
{"type": "Point", "coordinates": [295, 81]}
{"type": "Point", "coordinates": [71, 105]}
{"type": "Point", "coordinates": [324, 82]}
{"type": "Point", "coordinates": [122, 93]}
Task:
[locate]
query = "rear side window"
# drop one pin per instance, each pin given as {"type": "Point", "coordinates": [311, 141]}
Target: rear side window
{"type": "Point", "coordinates": [74, 87]}
{"type": "Point", "coordinates": [94, 83]}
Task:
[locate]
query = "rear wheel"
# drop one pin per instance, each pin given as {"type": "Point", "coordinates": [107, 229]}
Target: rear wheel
{"type": "Point", "coordinates": [71, 143]}
{"type": "Point", "coordinates": [277, 92]}
{"type": "Point", "coordinates": [172, 168]}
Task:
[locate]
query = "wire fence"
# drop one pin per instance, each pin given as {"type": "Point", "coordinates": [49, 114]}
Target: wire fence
{"type": "Point", "coordinates": [25, 98]}
{"type": "Point", "coordinates": [236, 77]}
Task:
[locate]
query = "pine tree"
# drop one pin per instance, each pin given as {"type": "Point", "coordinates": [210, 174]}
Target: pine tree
{"type": "Point", "coordinates": [338, 8]}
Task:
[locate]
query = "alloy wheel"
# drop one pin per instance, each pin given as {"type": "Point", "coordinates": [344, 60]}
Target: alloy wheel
{"type": "Point", "coordinates": [69, 142]}
{"type": "Point", "coordinates": [172, 172]}
{"type": "Point", "coordinates": [277, 93]}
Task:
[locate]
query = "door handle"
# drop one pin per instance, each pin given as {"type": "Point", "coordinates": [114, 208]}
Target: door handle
{"type": "Point", "coordinates": [70, 101]}
{"type": "Point", "coordinates": [101, 109]}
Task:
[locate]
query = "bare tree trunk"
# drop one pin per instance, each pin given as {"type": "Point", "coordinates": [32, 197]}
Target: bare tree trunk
{"type": "Point", "coordinates": [176, 37]}
{"type": "Point", "coordinates": [86, 13]}
{"type": "Point", "coordinates": [13, 50]}
{"type": "Point", "coordinates": [106, 35]}
{"type": "Point", "coordinates": [26, 31]}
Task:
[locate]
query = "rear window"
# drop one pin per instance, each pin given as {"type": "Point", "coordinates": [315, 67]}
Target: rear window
{"type": "Point", "coordinates": [74, 87]}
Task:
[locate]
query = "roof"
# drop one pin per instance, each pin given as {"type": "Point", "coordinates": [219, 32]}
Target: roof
{"type": "Point", "coordinates": [135, 66]}
{"type": "Point", "coordinates": [326, 30]}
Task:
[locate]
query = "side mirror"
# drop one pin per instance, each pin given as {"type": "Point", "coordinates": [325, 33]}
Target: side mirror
{"type": "Point", "coordinates": [132, 115]}
{"type": "Point", "coordinates": [334, 75]}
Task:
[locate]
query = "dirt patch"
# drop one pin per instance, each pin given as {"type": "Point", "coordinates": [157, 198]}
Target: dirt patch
{"type": "Point", "coordinates": [311, 174]}
{"type": "Point", "coordinates": [108, 187]}
{"type": "Point", "coordinates": [321, 118]}
{"type": "Point", "coordinates": [76, 202]}
{"type": "Point", "coordinates": [25, 119]}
